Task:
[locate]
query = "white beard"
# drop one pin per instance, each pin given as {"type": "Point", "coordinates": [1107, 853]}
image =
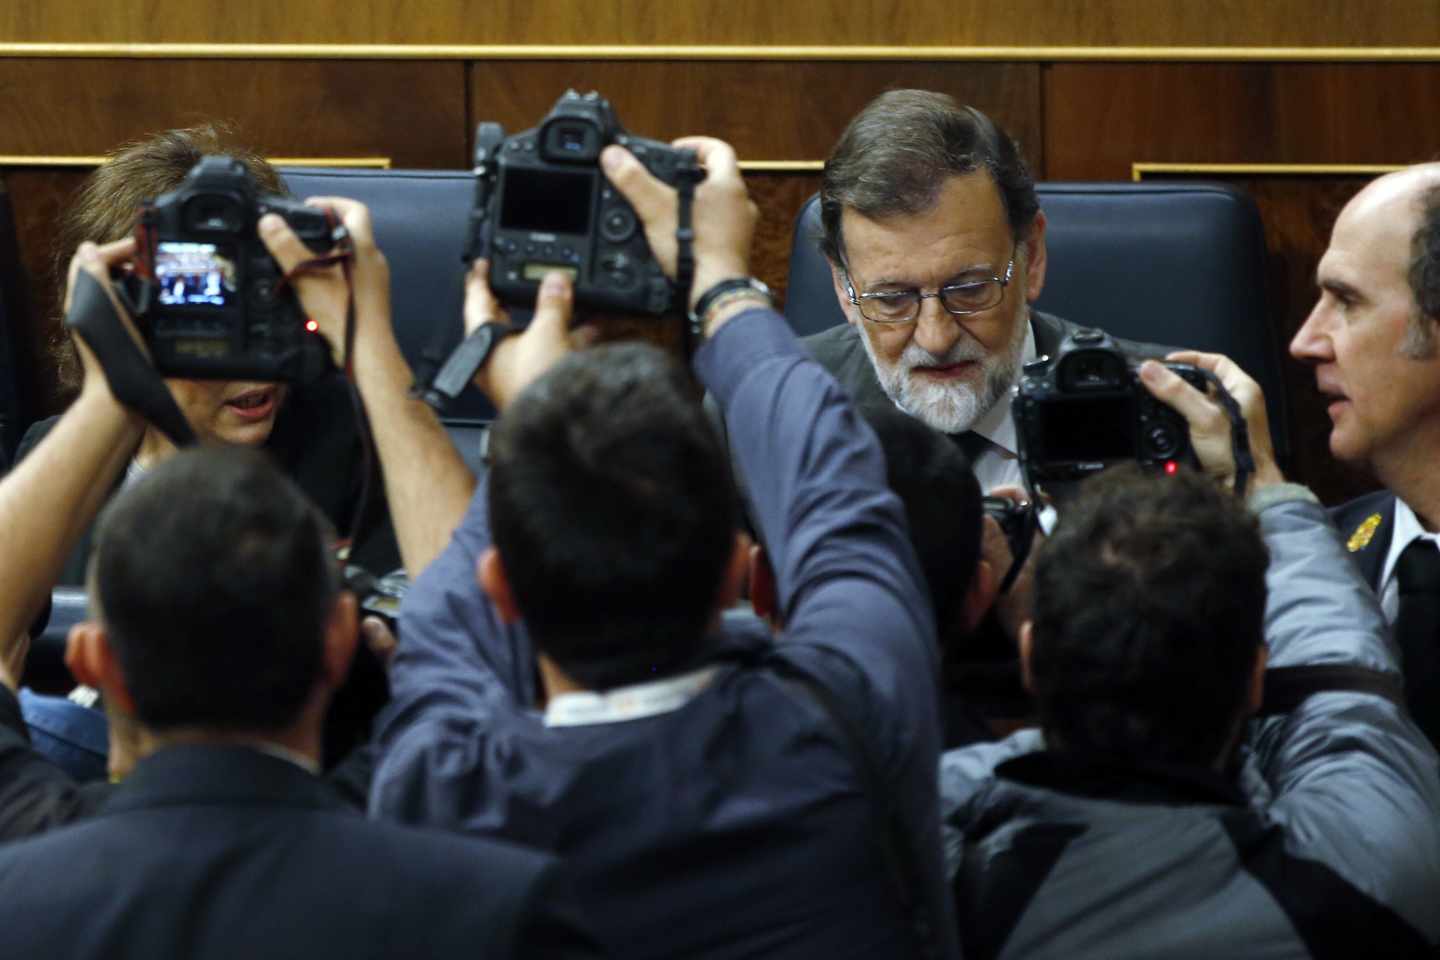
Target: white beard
{"type": "Point", "coordinates": [955, 406]}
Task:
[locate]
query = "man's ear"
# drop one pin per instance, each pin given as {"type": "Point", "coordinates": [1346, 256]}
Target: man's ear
{"type": "Point", "coordinates": [837, 277]}
{"type": "Point", "coordinates": [980, 597]}
{"type": "Point", "coordinates": [1027, 644]}
{"type": "Point", "coordinates": [490, 572]}
{"type": "Point", "coordinates": [92, 662]}
{"type": "Point", "coordinates": [1034, 244]}
{"type": "Point", "coordinates": [762, 586]}
{"type": "Point", "coordinates": [1257, 679]}
{"type": "Point", "coordinates": [342, 636]}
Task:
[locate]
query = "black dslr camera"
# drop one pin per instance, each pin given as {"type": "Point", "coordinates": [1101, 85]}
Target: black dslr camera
{"type": "Point", "coordinates": [1085, 409]}
{"type": "Point", "coordinates": [206, 292]}
{"type": "Point", "coordinates": [542, 204]}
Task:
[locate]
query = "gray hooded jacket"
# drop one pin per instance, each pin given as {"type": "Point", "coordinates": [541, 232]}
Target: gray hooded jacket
{"type": "Point", "coordinates": [1326, 843]}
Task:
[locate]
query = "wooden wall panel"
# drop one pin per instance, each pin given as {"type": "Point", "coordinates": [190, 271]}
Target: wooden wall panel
{"type": "Point", "coordinates": [828, 22]}
{"type": "Point", "coordinates": [1101, 118]}
{"type": "Point", "coordinates": [412, 112]}
{"type": "Point", "coordinates": [768, 111]}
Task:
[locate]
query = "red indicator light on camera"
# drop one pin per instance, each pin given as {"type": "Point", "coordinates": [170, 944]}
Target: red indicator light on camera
{"type": "Point", "coordinates": [312, 326]}
{"type": "Point", "coordinates": [1170, 467]}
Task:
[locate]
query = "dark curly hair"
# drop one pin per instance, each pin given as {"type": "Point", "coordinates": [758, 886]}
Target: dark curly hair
{"type": "Point", "coordinates": [1424, 274]}
{"type": "Point", "coordinates": [1149, 613]}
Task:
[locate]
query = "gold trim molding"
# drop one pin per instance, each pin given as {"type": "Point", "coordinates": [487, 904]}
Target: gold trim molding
{"type": "Point", "coordinates": [782, 166]}
{"type": "Point", "coordinates": [365, 163]}
{"type": "Point", "coordinates": [1139, 171]}
{"type": "Point", "coordinates": [382, 51]}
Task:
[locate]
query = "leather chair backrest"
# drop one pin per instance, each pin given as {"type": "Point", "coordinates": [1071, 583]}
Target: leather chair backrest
{"type": "Point", "coordinates": [1170, 263]}
{"type": "Point", "coordinates": [420, 218]}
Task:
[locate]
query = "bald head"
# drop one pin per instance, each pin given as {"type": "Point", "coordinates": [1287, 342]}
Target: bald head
{"type": "Point", "coordinates": [1372, 335]}
{"type": "Point", "coordinates": [1398, 216]}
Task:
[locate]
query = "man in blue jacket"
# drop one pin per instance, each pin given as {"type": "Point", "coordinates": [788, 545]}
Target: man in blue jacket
{"type": "Point", "coordinates": [717, 794]}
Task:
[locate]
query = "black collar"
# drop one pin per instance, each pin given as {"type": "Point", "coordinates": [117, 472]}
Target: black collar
{"type": "Point", "coordinates": [1101, 777]}
{"type": "Point", "coordinates": [205, 774]}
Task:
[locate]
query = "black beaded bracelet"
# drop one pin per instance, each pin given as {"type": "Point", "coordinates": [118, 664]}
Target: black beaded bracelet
{"type": "Point", "coordinates": [710, 297]}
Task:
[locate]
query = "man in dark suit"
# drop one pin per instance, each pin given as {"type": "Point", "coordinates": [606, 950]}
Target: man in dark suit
{"type": "Point", "coordinates": [937, 246]}
{"type": "Point", "coordinates": [1374, 341]}
{"type": "Point", "coordinates": [222, 632]}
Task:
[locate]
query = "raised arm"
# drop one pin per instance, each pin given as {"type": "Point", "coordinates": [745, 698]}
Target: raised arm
{"type": "Point", "coordinates": [52, 497]}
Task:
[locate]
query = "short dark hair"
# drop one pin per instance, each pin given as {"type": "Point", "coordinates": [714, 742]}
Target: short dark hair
{"type": "Point", "coordinates": [937, 486]}
{"type": "Point", "coordinates": [613, 513]}
{"type": "Point", "coordinates": [107, 204]}
{"type": "Point", "coordinates": [1424, 275]}
{"type": "Point", "coordinates": [215, 583]}
{"type": "Point", "coordinates": [897, 154]}
{"type": "Point", "coordinates": [1149, 613]}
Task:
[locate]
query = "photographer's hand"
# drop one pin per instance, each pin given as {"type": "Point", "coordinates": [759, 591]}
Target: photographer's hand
{"type": "Point", "coordinates": [723, 214]}
{"type": "Point", "coordinates": [323, 291]}
{"type": "Point", "coordinates": [1209, 426]}
{"type": "Point", "coordinates": [519, 360]}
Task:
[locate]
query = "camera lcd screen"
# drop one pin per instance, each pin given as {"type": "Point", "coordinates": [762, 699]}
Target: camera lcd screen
{"type": "Point", "coordinates": [547, 201]}
{"type": "Point", "coordinates": [194, 274]}
{"type": "Point", "coordinates": [1088, 429]}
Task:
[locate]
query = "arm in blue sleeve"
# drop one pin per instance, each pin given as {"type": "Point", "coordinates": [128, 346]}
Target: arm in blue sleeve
{"type": "Point", "coordinates": [456, 667]}
{"type": "Point", "coordinates": [847, 579]}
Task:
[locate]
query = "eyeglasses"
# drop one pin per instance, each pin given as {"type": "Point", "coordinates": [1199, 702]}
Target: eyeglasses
{"type": "Point", "coordinates": [958, 299]}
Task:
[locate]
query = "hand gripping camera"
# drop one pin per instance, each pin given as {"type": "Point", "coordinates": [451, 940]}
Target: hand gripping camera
{"type": "Point", "coordinates": [208, 296]}
{"type": "Point", "coordinates": [1085, 409]}
{"type": "Point", "coordinates": [542, 204]}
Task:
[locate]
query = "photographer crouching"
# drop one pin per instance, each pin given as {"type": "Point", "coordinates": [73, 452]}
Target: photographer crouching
{"type": "Point", "coordinates": [1224, 766]}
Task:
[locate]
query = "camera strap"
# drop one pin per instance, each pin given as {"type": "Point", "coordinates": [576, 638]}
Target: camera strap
{"type": "Point", "coordinates": [1239, 434]}
{"type": "Point", "coordinates": [132, 378]}
{"type": "Point", "coordinates": [690, 174]}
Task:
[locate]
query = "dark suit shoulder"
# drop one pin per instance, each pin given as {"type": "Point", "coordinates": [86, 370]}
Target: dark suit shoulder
{"type": "Point", "coordinates": [833, 345]}
{"type": "Point", "coordinates": [349, 887]}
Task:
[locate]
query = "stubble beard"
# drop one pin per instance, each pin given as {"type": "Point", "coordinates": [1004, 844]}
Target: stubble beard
{"type": "Point", "coordinates": [955, 406]}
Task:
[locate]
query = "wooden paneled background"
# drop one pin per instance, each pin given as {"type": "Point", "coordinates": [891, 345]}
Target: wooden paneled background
{"type": "Point", "coordinates": [1091, 90]}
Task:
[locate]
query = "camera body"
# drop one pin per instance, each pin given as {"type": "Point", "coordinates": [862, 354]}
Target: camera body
{"type": "Point", "coordinates": [542, 203]}
{"type": "Point", "coordinates": [212, 303]}
{"type": "Point", "coordinates": [1085, 409]}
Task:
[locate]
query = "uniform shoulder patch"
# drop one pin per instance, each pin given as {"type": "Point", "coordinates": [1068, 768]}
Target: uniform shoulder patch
{"type": "Point", "coordinates": [1364, 533]}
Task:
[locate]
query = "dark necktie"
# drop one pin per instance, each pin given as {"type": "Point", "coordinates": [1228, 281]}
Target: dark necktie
{"type": "Point", "coordinates": [971, 444]}
{"type": "Point", "coordinates": [1417, 630]}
